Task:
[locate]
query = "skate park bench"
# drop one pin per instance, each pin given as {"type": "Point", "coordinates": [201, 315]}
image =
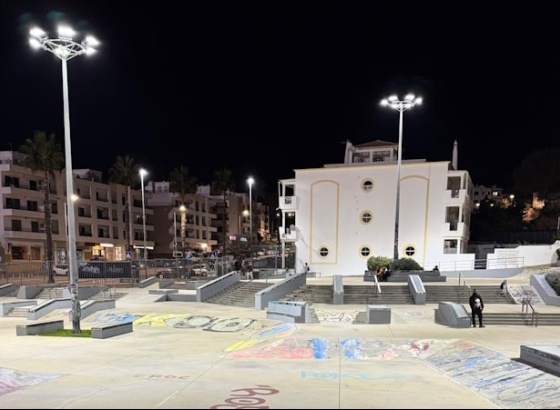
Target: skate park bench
{"type": "Point", "coordinates": [110, 330]}
{"type": "Point", "coordinates": [39, 328]}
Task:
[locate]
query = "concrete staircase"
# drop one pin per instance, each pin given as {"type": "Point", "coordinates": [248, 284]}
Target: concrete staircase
{"type": "Point", "coordinates": [240, 294]}
{"type": "Point", "coordinates": [353, 294]}
{"type": "Point", "coordinates": [368, 295]}
{"type": "Point", "coordinates": [519, 319]}
{"type": "Point", "coordinates": [50, 293]}
{"type": "Point", "coordinates": [311, 294]}
{"type": "Point", "coordinates": [19, 311]}
{"type": "Point", "coordinates": [460, 294]}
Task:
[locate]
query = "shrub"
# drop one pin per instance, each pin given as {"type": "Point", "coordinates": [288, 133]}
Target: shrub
{"type": "Point", "coordinates": [405, 264]}
{"type": "Point", "coordinates": [375, 262]}
{"type": "Point", "coordinates": [558, 253]}
{"type": "Point", "coordinates": [553, 280]}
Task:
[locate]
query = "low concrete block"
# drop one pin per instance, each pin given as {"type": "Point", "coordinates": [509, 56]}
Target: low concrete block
{"type": "Point", "coordinates": [39, 328]}
{"type": "Point", "coordinates": [115, 329]}
{"type": "Point", "coordinates": [378, 314]}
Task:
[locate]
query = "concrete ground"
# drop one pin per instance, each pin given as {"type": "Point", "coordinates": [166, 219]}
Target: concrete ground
{"type": "Point", "coordinates": [198, 355]}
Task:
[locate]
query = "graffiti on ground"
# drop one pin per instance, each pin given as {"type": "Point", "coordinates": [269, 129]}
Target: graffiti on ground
{"type": "Point", "coordinates": [11, 380]}
{"type": "Point", "coordinates": [348, 317]}
{"type": "Point", "coordinates": [508, 383]}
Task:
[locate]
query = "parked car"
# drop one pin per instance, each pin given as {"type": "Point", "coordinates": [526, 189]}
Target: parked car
{"type": "Point", "coordinates": [199, 270]}
{"type": "Point", "coordinates": [171, 273]}
{"type": "Point", "coordinates": [60, 270]}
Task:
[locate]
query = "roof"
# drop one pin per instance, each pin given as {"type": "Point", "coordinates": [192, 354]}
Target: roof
{"type": "Point", "coordinates": [376, 143]}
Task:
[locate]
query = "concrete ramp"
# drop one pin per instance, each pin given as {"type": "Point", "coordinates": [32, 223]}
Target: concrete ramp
{"type": "Point", "coordinates": [452, 314]}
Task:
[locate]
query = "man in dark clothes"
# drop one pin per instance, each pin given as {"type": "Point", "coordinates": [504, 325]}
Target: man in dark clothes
{"type": "Point", "coordinates": [477, 305]}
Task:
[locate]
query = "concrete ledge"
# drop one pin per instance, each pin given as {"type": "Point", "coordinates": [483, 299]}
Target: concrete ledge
{"type": "Point", "coordinates": [546, 358]}
{"type": "Point", "coordinates": [39, 328]}
{"type": "Point", "coordinates": [287, 311]}
{"type": "Point", "coordinates": [7, 289]}
{"type": "Point", "coordinates": [147, 282]}
{"type": "Point", "coordinates": [115, 329]}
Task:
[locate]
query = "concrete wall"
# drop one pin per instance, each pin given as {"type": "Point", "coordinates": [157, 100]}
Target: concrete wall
{"type": "Point", "coordinates": [215, 286]}
{"type": "Point", "coordinates": [279, 290]}
{"type": "Point", "coordinates": [545, 291]}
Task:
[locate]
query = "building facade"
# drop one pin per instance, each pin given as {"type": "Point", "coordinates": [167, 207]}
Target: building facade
{"type": "Point", "coordinates": [342, 214]}
{"type": "Point", "coordinates": [180, 230]}
{"type": "Point", "coordinates": [101, 227]}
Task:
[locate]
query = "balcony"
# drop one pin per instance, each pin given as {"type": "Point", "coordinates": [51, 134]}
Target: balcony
{"type": "Point", "coordinates": [455, 196]}
{"type": "Point", "coordinates": [456, 230]}
{"type": "Point", "coordinates": [287, 234]}
{"type": "Point", "coordinates": [289, 203]}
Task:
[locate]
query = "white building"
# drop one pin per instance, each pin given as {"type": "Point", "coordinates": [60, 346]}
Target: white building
{"type": "Point", "coordinates": [345, 213]}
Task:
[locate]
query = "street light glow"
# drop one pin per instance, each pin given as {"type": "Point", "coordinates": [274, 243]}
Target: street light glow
{"type": "Point", "coordinates": [401, 106]}
{"type": "Point", "coordinates": [250, 181]}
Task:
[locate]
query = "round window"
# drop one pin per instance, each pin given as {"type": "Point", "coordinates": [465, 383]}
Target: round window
{"type": "Point", "coordinates": [365, 251]}
{"type": "Point", "coordinates": [366, 217]}
{"type": "Point", "coordinates": [367, 185]}
{"type": "Point", "coordinates": [324, 251]}
{"type": "Point", "coordinates": [410, 251]}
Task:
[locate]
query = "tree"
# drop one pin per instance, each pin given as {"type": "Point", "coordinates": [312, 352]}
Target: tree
{"type": "Point", "coordinates": [222, 184]}
{"type": "Point", "coordinates": [45, 155]}
{"type": "Point", "coordinates": [539, 172]}
{"type": "Point", "coordinates": [124, 172]}
{"type": "Point", "coordinates": [182, 183]}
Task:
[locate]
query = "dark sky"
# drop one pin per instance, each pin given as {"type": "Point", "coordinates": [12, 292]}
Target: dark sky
{"type": "Point", "coordinates": [264, 87]}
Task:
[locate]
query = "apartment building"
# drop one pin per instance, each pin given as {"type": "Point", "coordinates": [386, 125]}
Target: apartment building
{"type": "Point", "coordinates": [180, 230]}
{"type": "Point", "coordinates": [344, 213]}
{"type": "Point", "coordinates": [101, 227]}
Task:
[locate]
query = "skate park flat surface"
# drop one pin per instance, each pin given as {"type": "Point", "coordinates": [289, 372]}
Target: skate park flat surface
{"type": "Point", "coordinates": [200, 355]}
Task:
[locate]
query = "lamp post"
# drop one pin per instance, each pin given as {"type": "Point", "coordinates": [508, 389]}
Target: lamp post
{"type": "Point", "coordinates": [65, 48]}
{"type": "Point", "coordinates": [183, 210]}
{"type": "Point", "coordinates": [250, 181]}
{"type": "Point", "coordinates": [401, 106]}
{"type": "Point", "coordinates": [143, 173]}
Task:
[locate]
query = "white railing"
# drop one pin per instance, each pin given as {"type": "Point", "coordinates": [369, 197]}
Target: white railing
{"type": "Point", "coordinates": [472, 264]}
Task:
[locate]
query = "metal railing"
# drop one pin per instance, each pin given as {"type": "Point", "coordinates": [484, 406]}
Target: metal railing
{"type": "Point", "coordinates": [525, 305]}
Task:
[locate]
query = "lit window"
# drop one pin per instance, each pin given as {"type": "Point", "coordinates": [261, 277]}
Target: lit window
{"type": "Point", "coordinates": [365, 251]}
{"type": "Point", "coordinates": [324, 251]}
{"type": "Point", "coordinates": [410, 251]}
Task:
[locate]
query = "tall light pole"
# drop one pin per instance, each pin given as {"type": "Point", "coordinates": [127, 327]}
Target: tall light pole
{"type": "Point", "coordinates": [143, 173]}
{"type": "Point", "coordinates": [183, 210]}
{"type": "Point", "coordinates": [65, 48]}
{"type": "Point", "coordinates": [250, 181]}
{"type": "Point", "coordinates": [401, 106]}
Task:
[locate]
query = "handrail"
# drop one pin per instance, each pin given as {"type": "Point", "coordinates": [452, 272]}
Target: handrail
{"type": "Point", "coordinates": [377, 285]}
{"type": "Point", "coordinates": [526, 301]}
{"type": "Point", "coordinates": [465, 284]}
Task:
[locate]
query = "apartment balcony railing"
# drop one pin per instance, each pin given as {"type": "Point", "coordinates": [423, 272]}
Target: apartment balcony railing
{"type": "Point", "coordinates": [289, 203]}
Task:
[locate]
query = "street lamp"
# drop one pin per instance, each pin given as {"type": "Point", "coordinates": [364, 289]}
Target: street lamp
{"type": "Point", "coordinates": [183, 209]}
{"type": "Point", "coordinates": [250, 181]}
{"type": "Point", "coordinates": [401, 106]}
{"type": "Point", "coordinates": [65, 48]}
{"type": "Point", "coordinates": [143, 173]}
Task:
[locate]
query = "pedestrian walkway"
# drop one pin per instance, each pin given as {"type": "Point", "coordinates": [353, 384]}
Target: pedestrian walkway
{"type": "Point", "coordinates": [200, 355]}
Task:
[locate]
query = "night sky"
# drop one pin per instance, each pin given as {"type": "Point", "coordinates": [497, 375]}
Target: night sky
{"type": "Point", "coordinates": [265, 87]}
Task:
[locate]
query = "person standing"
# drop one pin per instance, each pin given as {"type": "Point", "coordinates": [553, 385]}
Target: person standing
{"type": "Point", "coordinates": [477, 306]}
{"type": "Point", "coordinates": [503, 287]}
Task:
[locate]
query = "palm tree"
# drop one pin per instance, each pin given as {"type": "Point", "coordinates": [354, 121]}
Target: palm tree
{"type": "Point", "coordinates": [124, 172]}
{"type": "Point", "coordinates": [221, 185]}
{"type": "Point", "coordinates": [182, 183]}
{"type": "Point", "coordinates": [44, 154]}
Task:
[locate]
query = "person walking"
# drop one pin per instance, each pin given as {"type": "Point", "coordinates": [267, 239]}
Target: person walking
{"type": "Point", "coordinates": [477, 306]}
{"type": "Point", "coordinates": [503, 288]}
